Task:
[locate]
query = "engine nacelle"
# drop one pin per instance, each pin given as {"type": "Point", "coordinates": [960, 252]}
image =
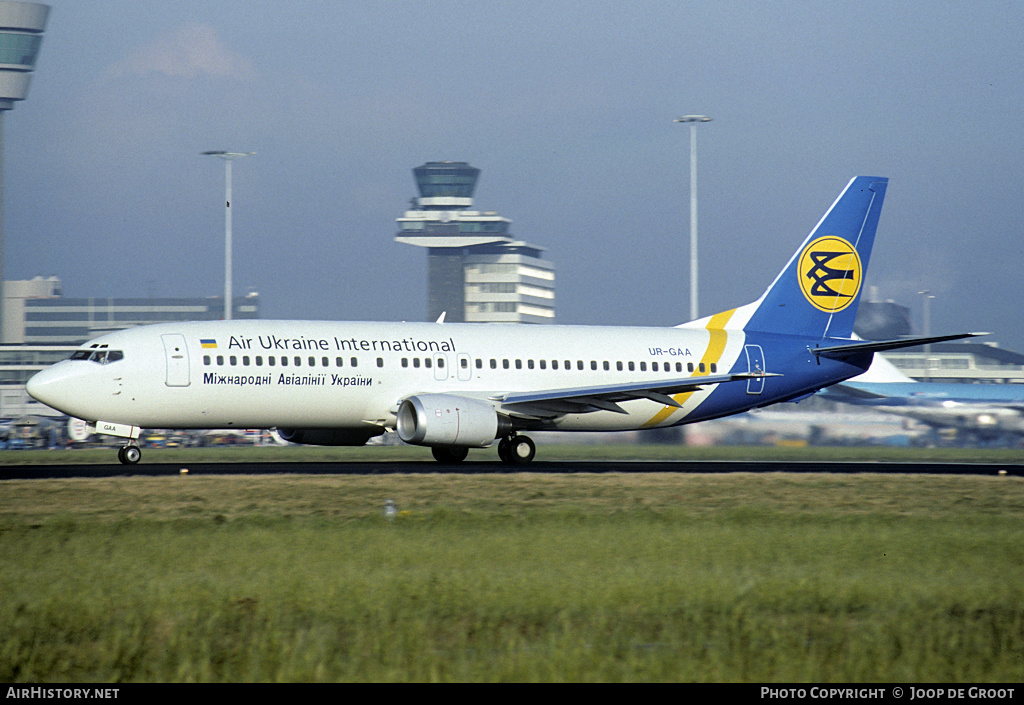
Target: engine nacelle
{"type": "Point", "coordinates": [449, 420]}
{"type": "Point", "coordinates": [330, 436]}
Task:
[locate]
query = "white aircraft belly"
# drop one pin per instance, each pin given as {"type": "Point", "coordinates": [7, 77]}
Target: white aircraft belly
{"type": "Point", "coordinates": [236, 406]}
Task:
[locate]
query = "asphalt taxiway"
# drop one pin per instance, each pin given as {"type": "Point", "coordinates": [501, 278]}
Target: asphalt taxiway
{"type": "Point", "coordinates": [28, 472]}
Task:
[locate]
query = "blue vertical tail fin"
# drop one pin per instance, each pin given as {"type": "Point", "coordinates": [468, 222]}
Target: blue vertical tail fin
{"type": "Point", "coordinates": [818, 291]}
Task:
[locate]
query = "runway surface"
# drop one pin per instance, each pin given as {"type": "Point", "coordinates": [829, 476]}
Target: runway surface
{"type": "Point", "coordinates": [28, 472]}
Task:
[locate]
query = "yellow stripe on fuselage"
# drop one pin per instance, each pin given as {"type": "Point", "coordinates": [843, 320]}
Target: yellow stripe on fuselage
{"type": "Point", "coordinates": [716, 346]}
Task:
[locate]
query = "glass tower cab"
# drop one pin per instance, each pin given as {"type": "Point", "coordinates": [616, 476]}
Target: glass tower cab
{"type": "Point", "coordinates": [446, 185]}
{"type": "Point", "coordinates": [476, 270]}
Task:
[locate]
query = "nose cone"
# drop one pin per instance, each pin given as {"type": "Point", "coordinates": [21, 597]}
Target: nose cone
{"type": "Point", "coordinates": [50, 386]}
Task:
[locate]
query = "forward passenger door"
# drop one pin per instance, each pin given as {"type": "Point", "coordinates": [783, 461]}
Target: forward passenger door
{"type": "Point", "coordinates": [177, 360]}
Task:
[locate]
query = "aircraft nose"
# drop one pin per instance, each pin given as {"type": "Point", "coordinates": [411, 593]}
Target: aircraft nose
{"type": "Point", "coordinates": [45, 386]}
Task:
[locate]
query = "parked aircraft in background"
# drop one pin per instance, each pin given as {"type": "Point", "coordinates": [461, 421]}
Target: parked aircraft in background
{"type": "Point", "coordinates": [979, 411]}
{"type": "Point", "coordinates": [455, 386]}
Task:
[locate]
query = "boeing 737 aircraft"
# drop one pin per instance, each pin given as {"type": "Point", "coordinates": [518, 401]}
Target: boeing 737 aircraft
{"type": "Point", "coordinates": [458, 386]}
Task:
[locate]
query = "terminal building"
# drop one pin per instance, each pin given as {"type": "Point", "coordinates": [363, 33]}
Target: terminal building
{"type": "Point", "coordinates": [477, 271]}
{"type": "Point", "coordinates": [35, 312]}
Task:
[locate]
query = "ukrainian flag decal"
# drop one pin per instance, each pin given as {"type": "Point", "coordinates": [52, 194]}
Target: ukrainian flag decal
{"type": "Point", "coordinates": [208, 342]}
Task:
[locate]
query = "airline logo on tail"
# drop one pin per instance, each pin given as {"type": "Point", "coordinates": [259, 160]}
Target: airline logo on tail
{"type": "Point", "coordinates": [830, 273]}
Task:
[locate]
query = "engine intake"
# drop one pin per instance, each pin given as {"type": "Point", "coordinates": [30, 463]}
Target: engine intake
{"type": "Point", "coordinates": [449, 420]}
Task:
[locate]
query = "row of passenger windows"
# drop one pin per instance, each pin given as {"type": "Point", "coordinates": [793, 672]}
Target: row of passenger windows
{"type": "Point", "coordinates": [283, 361]}
{"type": "Point", "coordinates": [594, 365]}
{"type": "Point", "coordinates": [427, 362]}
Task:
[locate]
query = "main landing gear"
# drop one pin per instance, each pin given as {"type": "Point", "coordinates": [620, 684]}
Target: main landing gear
{"type": "Point", "coordinates": [513, 450]}
{"type": "Point", "coordinates": [129, 454]}
{"type": "Point", "coordinates": [516, 450]}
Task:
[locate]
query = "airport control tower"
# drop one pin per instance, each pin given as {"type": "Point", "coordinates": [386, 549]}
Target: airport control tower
{"type": "Point", "coordinates": [21, 35]}
{"type": "Point", "coordinates": [476, 270]}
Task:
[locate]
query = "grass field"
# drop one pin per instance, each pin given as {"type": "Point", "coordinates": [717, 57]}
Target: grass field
{"type": "Point", "coordinates": [532, 577]}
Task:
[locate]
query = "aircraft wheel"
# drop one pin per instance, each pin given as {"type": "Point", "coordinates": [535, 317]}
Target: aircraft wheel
{"type": "Point", "coordinates": [521, 450]}
{"type": "Point", "coordinates": [503, 454]}
{"type": "Point", "coordinates": [129, 455]}
{"type": "Point", "coordinates": [449, 454]}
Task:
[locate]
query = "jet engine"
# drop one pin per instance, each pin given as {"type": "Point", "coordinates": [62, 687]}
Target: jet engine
{"type": "Point", "coordinates": [330, 436]}
{"type": "Point", "coordinates": [449, 420]}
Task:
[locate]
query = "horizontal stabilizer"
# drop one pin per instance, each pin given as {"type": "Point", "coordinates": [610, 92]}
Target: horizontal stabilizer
{"type": "Point", "coordinates": [838, 352]}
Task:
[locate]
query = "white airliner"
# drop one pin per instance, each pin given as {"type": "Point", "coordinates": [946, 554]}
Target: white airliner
{"type": "Point", "coordinates": [979, 411]}
{"type": "Point", "coordinates": [455, 386]}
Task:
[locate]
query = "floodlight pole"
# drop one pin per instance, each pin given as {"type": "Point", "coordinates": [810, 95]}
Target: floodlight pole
{"type": "Point", "coordinates": [228, 157]}
{"type": "Point", "coordinates": [927, 296]}
{"type": "Point", "coordinates": [693, 120]}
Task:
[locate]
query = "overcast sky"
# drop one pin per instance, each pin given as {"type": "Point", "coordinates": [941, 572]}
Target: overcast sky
{"type": "Point", "coordinates": [567, 109]}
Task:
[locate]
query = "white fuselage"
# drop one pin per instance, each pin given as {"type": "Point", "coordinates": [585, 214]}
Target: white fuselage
{"type": "Point", "coordinates": [306, 374]}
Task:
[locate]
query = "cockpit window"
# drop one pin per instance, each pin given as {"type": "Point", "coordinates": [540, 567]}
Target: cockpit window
{"type": "Point", "coordinates": [106, 356]}
{"type": "Point", "coordinates": [102, 356]}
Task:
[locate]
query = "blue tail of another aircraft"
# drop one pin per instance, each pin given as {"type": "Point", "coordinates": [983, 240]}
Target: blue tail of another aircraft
{"type": "Point", "coordinates": [818, 291]}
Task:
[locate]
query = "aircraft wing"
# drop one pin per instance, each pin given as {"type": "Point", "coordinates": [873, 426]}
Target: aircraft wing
{"type": "Point", "coordinates": [581, 400]}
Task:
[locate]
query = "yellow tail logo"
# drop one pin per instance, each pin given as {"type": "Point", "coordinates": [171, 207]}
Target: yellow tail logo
{"type": "Point", "coordinates": [830, 273]}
